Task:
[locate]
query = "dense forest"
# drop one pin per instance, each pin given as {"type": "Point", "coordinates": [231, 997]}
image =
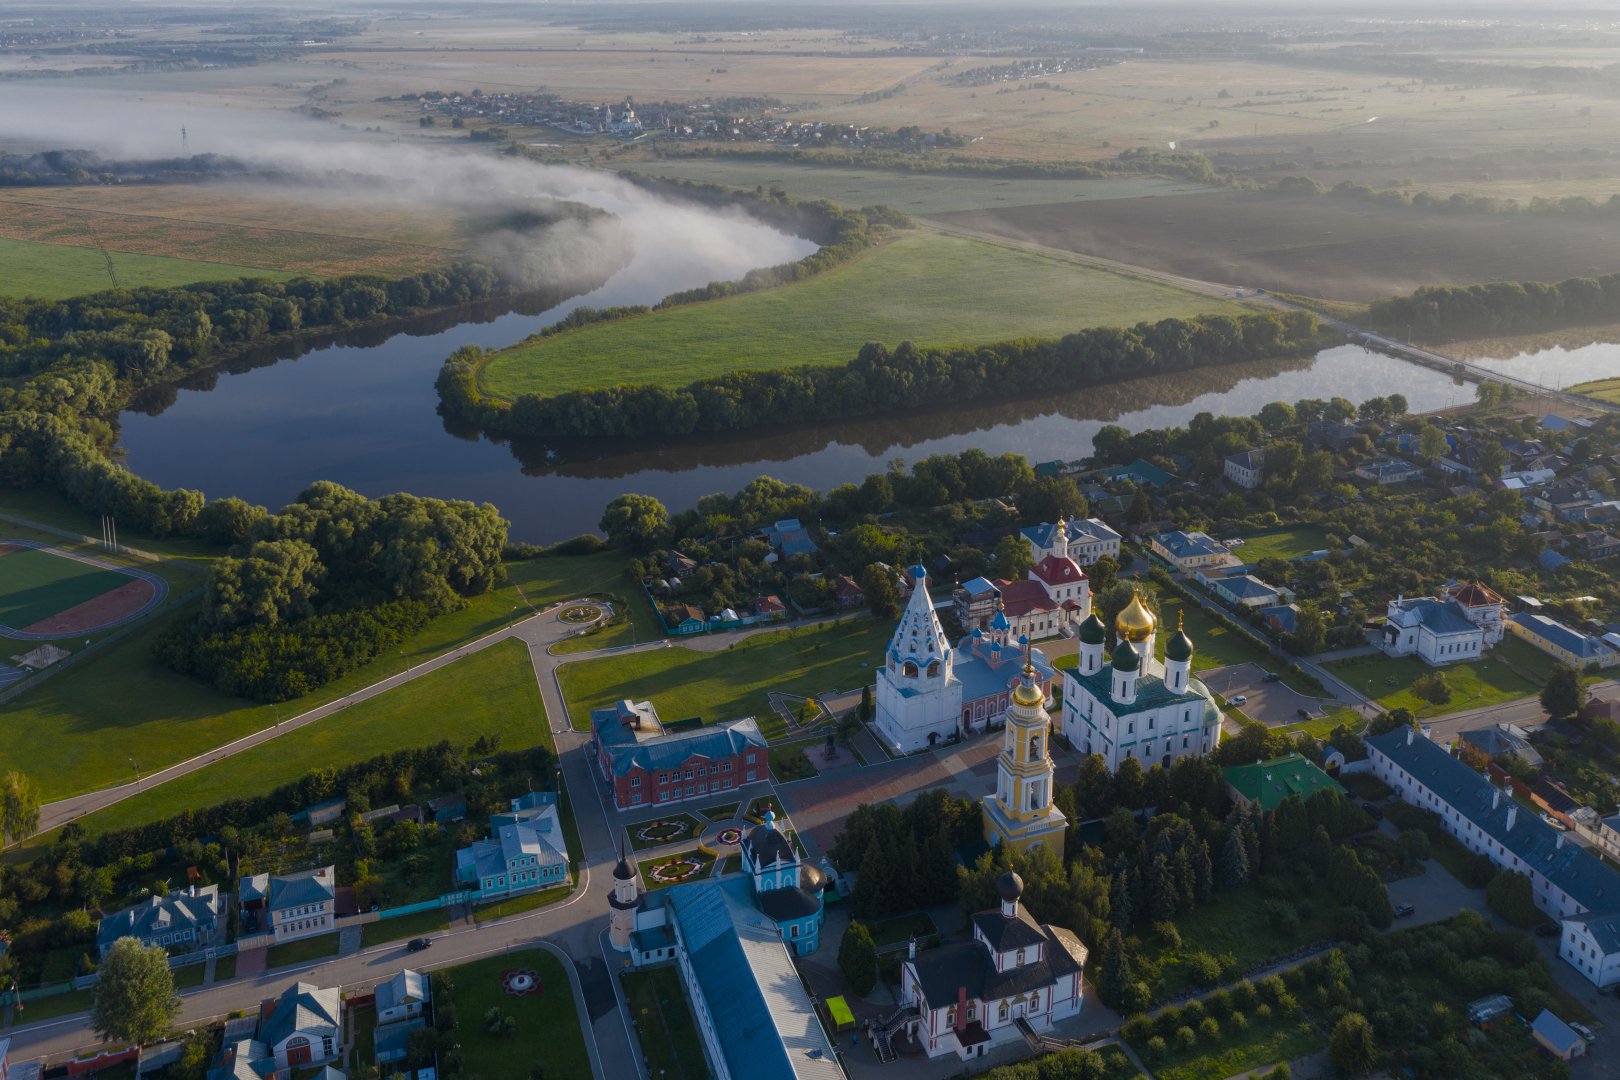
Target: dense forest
{"type": "Point", "coordinates": [1499, 307]}
{"type": "Point", "coordinates": [879, 380]}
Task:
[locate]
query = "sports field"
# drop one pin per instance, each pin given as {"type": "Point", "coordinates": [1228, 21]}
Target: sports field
{"type": "Point", "coordinates": [926, 287]}
{"type": "Point", "coordinates": [44, 594]}
{"type": "Point", "coordinates": [57, 271]}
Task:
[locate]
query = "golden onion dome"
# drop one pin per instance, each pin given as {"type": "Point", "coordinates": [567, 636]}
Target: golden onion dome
{"type": "Point", "coordinates": [1028, 694]}
{"type": "Point", "coordinates": [1136, 623]}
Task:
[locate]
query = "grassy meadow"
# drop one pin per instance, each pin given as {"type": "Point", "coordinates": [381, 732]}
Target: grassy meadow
{"type": "Point", "coordinates": [494, 691]}
{"type": "Point", "coordinates": [733, 682]}
{"type": "Point", "coordinates": [1512, 669]}
{"type": "Point", "coordinates": [547, 1034]}
{"type": "Point", "coordinates": [926, 287]}
{"type": "Point", "coordinates": [54, 271]}
{"type": "Point", "coordinates": [75, 730]}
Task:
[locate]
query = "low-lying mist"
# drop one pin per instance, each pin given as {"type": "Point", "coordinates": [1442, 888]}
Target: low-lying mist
{"type": "Point", "coordinates": [642, 240]}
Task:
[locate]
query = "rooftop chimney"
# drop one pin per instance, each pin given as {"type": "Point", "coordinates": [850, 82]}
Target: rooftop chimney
{"type": "Point", "coordinates": [1409, 734]}
{"type": "Point", "coordinates": [911, 948]}
{"type": "Point", "coordinates": [1513, 815]}
{"type": "Point", "coordinates": [1496, 796]}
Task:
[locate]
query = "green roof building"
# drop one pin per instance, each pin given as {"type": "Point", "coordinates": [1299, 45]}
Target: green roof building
{"type": "Point", "coordinates": [1267, 783]}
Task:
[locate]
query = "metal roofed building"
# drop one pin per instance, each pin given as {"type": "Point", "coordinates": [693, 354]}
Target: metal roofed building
{"type": "Point", "coordinates": [1436, 631]}
{"type": "Point", "coordinates": [1568, 882]}
{"type": "Point", "coordinates": [184, 920]}
{"type": "Point", "coordinates": [1267, 783]}
{"type": "Point", "coordinates": [1089, 539]}
{"type": "Point", "coordinates": [1557, 1037]}
{"type": "Point", "coordinates": [1190, 550]}
{"type": "Point", "coordinates": [755, 1017]}
{"type": "Point", "coordinates": [1560, 642]}
{"type": "Point", "coordinates": [646, 766]}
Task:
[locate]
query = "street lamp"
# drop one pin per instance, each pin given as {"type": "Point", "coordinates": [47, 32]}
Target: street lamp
{"type": "Point", "coordinates": [136, 769]}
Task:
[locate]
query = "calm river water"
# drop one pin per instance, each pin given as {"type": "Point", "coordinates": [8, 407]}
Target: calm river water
{"type": "Point", "coordinates": [364, 414]}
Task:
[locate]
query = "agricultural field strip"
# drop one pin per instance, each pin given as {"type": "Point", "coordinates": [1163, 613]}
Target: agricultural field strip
{"type": "Point", "coordinates": [170, 219]}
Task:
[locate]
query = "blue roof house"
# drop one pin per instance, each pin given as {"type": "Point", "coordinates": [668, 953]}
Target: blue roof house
{"type": "Point", "coordinates": [524, 853]}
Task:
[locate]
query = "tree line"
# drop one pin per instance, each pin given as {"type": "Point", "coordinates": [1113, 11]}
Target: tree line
{"type": "Point", "coordinates": [877, 380]}
{"type": "Point", "coordinates": [318, 590]}
{"type": "Point", "coordinates": [1460, 202]}
{"type": "Point", "coordinates": [1499, 306]}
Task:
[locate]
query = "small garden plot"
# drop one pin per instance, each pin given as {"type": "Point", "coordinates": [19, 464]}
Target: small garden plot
{"type": "Point", "coordinates": [721, 813]}
{"type": "Point", "coordinates": [1226, 1034]}
{"type": "Point", "coordinates": [757, 808]}
{"type": "Point", "coordinates": [899, 928]}
{"type": "Point", "coordinates": [665, 830]}
{"type": "Point", "coordinates": [669, 1040]}
{"type": "Point", "coordinates": [677, 869]}
{"type": "Point", "coordinates": [790, 763]}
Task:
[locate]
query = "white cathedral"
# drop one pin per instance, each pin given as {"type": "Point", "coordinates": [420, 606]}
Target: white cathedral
{"type": "Point", "coordinates": [1130, 704]}
{"type": "Point", "coordinates": [929, 690]}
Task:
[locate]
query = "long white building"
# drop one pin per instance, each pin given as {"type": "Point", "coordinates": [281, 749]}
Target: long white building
{"type": "Point", "coordinates": [1569, 883]}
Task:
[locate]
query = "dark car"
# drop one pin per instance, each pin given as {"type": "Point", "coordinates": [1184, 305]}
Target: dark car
{"type": "Point", "coordinates": [1403, 910]}
{"type": "Point", "coordinates": [1272, 676]}
{"type": "Point", "coordinates": [1304, 714]}
{"type": "Point", "coordinates": [417, 944]}
{"type": "Point", "coordinates": [1546, 929]}
{"type": "Point", "coordinates": [1373, 811]}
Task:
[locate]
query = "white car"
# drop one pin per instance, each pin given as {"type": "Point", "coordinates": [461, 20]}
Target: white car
{"type": "Point", "coordinates": [1239, 700]}
{"type": "Point", "coordinates": [1554, 822]}
{"type": "Point", "coordinates": [1582, 1030]}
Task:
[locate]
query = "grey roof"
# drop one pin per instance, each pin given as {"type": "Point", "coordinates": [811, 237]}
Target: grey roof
{"type": "Point", "coordinates": [1557, 1033]}
{"type": "Point", "coordinates": [291, 890]}
{"type": "Point", "coordinates": [785, 905]}
{"type": "Point", "coordinates": [981, 679]}
{"type": "Point", "coordinates": [192, 907]}
{"type": "Point", "coordinates": [766, 844]}
{"type": "Point", "coordinates": [1249, 459]}
{"type": "Point", "coordinates": [1584, 646]}
{"type": "Point", "coordinates": [1591, 884]}
{"type": "Point", "coordinates": [303, 1007]}
{"type": "Point", "coordinates": [1247, 587]}
{"type": "Point", "coordinates": [509, 841]}
{"type": "Point", "coordinates": [405, 987]}
{"type": "Point", "coordinates": [1604, 928]}
{"type": "Point", "coordinates": [968, 966]}
{"type": "Point", "coordinates": [1437, 616]}
{"type": "Point", "coordinates": [389, 1041]}
{"type": "Point", "coordinates": [245, 1059]}
{"type": "Point", "coordinates": [1182, 544]}
{"type": "Point", "coordinates": [715, 742]}
{"type": "Point", "coordinates": [1019, 932]}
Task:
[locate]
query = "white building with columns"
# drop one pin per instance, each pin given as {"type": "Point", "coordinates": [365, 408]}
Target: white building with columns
{"type": "Point", "coordinates": [1129, 704]}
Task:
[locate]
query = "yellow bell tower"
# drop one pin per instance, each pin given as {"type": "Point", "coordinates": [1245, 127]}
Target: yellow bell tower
{"type": "Point", "coordinates": [1020, 814]}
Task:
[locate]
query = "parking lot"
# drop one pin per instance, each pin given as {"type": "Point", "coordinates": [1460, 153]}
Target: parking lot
{"type": "Point", "coordinates": [1273, 704]}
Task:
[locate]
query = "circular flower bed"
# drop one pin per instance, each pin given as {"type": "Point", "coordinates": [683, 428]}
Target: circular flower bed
{"type": "Point", "coordinates": [579, 613]}
{"type": "Point", "coordinates": [663, 831]}
{"type": "Point", "coordinates": [729, 836]}
{"type": "Point", "coordinates": [521, 982]}
{"type": "Point", "coordinates": [678, 870]}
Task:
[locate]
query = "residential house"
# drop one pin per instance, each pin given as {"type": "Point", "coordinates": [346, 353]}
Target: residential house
{"type": "Point", "coordinates": [970, 997]}
{"type": "Point", "coordinates": [1247, 469]}
{"type": "Point", "coordinates": [447, 809]}
{"type": "Point", "coordinates": [1567, 882]}
{"type": "Point", "coordinates": [301, 1029]}
{"type": "Point", "coordinates": [788, 538]}
{"type": "Point", "coordinates": [1565, 499]}
{"type": "Point", "coordinates": [645, 766]}
{"type": "Point", "coordinates": [1383, 471]}
{"type": "Point", "coordinates": [290, 906]}
{"type": "Point", "coordinates": [1596, 544]}
{"type": "Point", "coordinates": [1246, 590]}
{"type": "Point", "coordinates": [1501, 739]}
{"type": "Point", "coordinates": [847, 593]}
{"type": "Point", "coordinates": [685, 619]}
{"type": "Point", "coordinates": [1280, 619]}
{"type": "Point", "coordinates": [1266, 783]}
{"type": "Point", "coordinates": [401, 1002]}
{"type": "Point", "coordinates": [1329, 435]}
{"type": "Point", "coordinates": [769, 608]}
{"type": "Point", "coordinates": [1139, 472]}
{"type": "Point", "coordinates": [1190, 550]}
{"type": "Point", "coordinates": [1556, 1037]}
{"type": "Point", "coordinates": [1085, 539]}
{"type": "Point", "coordinates": [1560, 642]}
{"type": "Point", "coordinates": [183, 921]}
{"type": "Point", "coordinates": [524, 852]}
{"type": "Point", "coordinates": [1523, 480]}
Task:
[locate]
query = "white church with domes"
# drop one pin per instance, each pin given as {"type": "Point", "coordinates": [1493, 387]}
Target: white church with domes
{"type": "Point", "coordinates": [929, 690]}
{"type": "Point", "coordinates": [1130, 704]}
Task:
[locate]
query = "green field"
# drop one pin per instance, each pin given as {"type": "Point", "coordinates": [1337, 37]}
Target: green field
{"type": "Point", "coordinates": [77, 732]}
{"type": "Point", "coordinates": [1602, 389]}
{"type": "Point", "coordinates": [56, 271]}
{"type": "Point", "coordinates": [494, 691]}
{"type": "Point", "coordinates": [36, 584]}
{"type": "Point", "coordinates": [1513, 669]}
{"type": "Point", "coordinates": [926, 287]}
{"type": "Point", "coordinates": [1287, 543]}
{"type": "Point", "coordinates": [669, 1039]}
{"type": "Point", "coordinates": [547, 1032]}
{"type": "Point", "coordinates": [732, 683]}
{"type": "Point", "coordinates": [912, 192]}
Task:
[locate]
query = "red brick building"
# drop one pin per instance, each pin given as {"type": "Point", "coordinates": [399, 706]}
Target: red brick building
{"type": "Point", "coordinates": [647, 766]}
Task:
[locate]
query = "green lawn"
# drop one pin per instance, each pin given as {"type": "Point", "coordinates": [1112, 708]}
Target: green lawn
{"type": "Point", "coordinates": [899, 928]}
{"type": "Point", "coordinates": [190, 975]}
{"type": "Point", "coordinates": [1513, 669]}
{"type": "Point", "coordinates": [676, 827]}
{"type": "Point", "coordinates": [56, 271]}
{"type": "Point", "coordinates": [517, 905]}
{"type": "Point", "coordinates": [302, 951]}
{"type": "Point", "coordinates": [494, 693]}
{"type": "Point", "coordinates": [547, 1023]}
{"type": "Point", "coordinates": [49, 507]}
{"type": "Point", "coordinates": [46, 1008]}
{"type": "Point", "coordinates": [602, 575]}
{"type": "Point", "coordinates": [793, 762]}
{"type": "Point", "coordinates": [1260, 1044]}
{"type": "Point", "coordinates": [732, 683]}
{"type": "Point", "coordinates": [663, 1020]}
{"type": "Point", "coordinates": [926, 287]}
{"type": "Point", "coordinates": [35, 585]}
{"type": "Point", "coordinates": [1602, 389]}
{"type": "Point", "coordinates": [721, 813]}
{"type": "Point", "coordinates": [225, 968]}
{"type": "Point", "coordinates": [362, 1028]}
{"type": "Point", "coordinates": [703, 859]}
{"type": "Point", "coordinates": [1287, 543]}
{"type": "Point", "coordinates": [404, 927]}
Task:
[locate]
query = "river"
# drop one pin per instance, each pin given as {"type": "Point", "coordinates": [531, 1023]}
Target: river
{"type": "Point", "coordinates": [361, 410]}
